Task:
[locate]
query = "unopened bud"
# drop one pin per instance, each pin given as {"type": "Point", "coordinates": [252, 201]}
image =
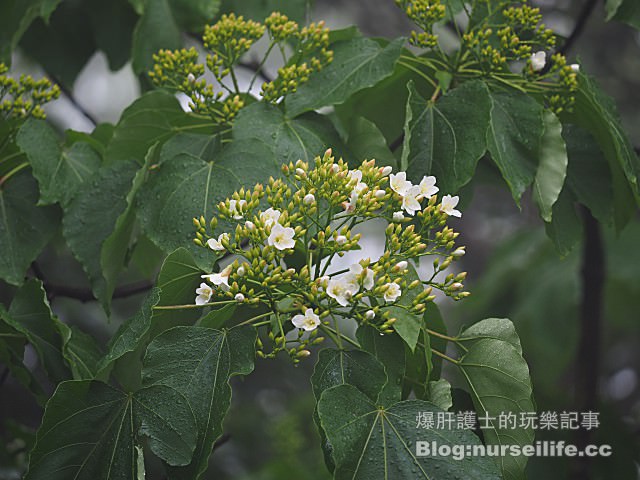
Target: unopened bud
{"type": "Point", "coordinates": [397, 216]}
{"type": "Point", "coordinates": [386, 171]}
{"type": "Point", "coordinates": [191, 78]}
{"type": "Point", "coordinates": [458, 252]}
{"type": "Point", "coordinates": [370, 315]}
{"type": "Point", "coordinates": [300, 172]}
{"type": "Point", "coordinates": [379, 194]}
{"type": "Point", "coordinates": [341, 239]}
{"type": "Point", "coordinates": [241, 271]}
{"type": "Point", "coordinates": [250, 225]}
{"type": "Point", "coordinates": [309, 198]}
{"type": "Point", "coordinates": [401, 265]}
{"type": "Point", "coordinates": [239, 297]}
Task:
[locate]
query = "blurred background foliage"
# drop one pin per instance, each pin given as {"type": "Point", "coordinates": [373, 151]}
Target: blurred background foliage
{"type": "Point", "coordinates": [97, 50]}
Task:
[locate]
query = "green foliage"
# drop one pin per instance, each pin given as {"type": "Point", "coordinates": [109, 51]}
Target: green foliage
{"type": "Point", "coordinates": [150, 199]}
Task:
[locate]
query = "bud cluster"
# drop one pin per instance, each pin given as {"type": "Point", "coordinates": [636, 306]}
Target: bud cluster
{"type": "Point", "coordinates": [25, 96]}
{"type": "Point", "coordinates": [286, 235]}
{"type": "Point", "coordinates": [228, 40]}
{"type": "Point", "coordinates": [425, 14]}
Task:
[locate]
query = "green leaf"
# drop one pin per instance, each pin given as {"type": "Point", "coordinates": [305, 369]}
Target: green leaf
{"type": "Point", "coordinates": [25, 227]}
{"type": "Point", "coordinates": [422, 364]}
{"type": "Point", "coordinates": [63, 45]}
{"type": "Point", "coordinates": [131, 333]}
{"type": "Point", "coordinates": [193, 15]}
{"type": "Point", "coordinates": [498, 381]}
{"type": "Point", "coordinates": [219, 317]}
{"type": "Point", "coordinates": [15, 18]}
{"type": "Point", "coordinates": [31, 315]}
{"type": "Point", "coordinates": [198, 362]}
{"type": "Point", "coordinates": [588, 174]}
{"type": "Point", "coordinates": [446, 138]}
{"type": "Point", "coordinates": [439, 393]}
{"type": "Point", "coordinates": [627, 11]}
{"type": "Point", "coordinates": [353, 367]}
{"type": "Point", "coordinates": [90, 430]}
{"type": "Point", "coordinates": [357, 64]}
{"type": "Point", "coordinates": [59, 172]}
{"type": "Point", "coordinates": [366, 142]}
{"type": "Point", "coordinates": [288, 140]}
{"type": "Point", "coordinates": [260, 9]}
{"type": "Point", "coordinates": [112, 24]}
{"type": "Point", "coordinates": [81, 351]}
{"type": "Point", "coordinates": [388, 350]}
{"type": "Point", "coordinates": [565, 228]}
{"type": "Point", "coordinates": [188, 186]}
{"type": "Point", "coordinates": [115, 249]}
{"type": "Point", "coordinates": [156, 29]}
{"type": "Point", "coordinates": [513, 138]}
{"type": "Point", "coordinates": [153, 118]}
{"type": "Point", "coordinates": [12, 344]}
{"type": "Point", "coordinates": [375, 442]}
{"type": "Point", "coordinates": [93, 213]}
{"type": "Point", "coordinates": [384, 104]}
{"type": "Point", "coordinates": [595, 112]}
{"type": "Point", "coordinates": [552, 168]}
{"type": "Point", "coordinates": [407, 324]}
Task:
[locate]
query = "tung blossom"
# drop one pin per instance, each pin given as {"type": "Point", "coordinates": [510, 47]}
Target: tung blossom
{"type": "Point", "coordinates": [428, 187]}
{"type": "Point", "coordinates": [281, 237]}
{"type": "Point", "coordinates": [538, 61]}
{"type": "Point", "coordinates": [399, 183]}
{"type": "Point", "coordinates": [204, 294]}
{"type": "Point", "coordinates": [235, 207]}
{"type": "Point", "coordinates": [364, 275]}
{"type": "Point", "coordinates": [392, 292]}
{"type": "Point", "coordinates": [220, 279]}
{"type": "Point", "coordinates": [270, 216]}
{"type": "Point", "coordinates": [448, 205]}
{"type": "Point", "coordinates": [309, 321]}
{"type": "Point", "coordinates": [342, 289]}
{"type": "Point", "coordinates": [216, 245]}
{"type": "Point", "coordinates": [410, 201]}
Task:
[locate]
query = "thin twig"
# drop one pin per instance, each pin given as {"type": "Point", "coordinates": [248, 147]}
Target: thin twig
{"type": "Point", "coordinates": [67, 93]}
{"type": "Point", "coordinates": [578, 28]}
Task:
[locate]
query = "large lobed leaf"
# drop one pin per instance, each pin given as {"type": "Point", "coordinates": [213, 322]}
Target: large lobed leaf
{"type": "Point", "coordinates": [372, 441]}
{"type": "Point", "coordinates": [358, 63]}
{"type": "Point", "coordinates": [498, 380]}
{"type": "Point", "coordinates": [90, 430]}
{"type": "Point", "coordinates": [60, 172]}
{"type": "Point", "coordinates": [446, 138]}
{"type": "Point", "coordinates": [25, 227]}
{"type": "Point", "coordinates": [198, 362]}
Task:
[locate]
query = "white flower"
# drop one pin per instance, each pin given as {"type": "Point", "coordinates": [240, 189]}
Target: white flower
{"type": "Point", "coordinates": [392, 292]}
{"type": "Point", "coordinates": [220, 279]}
{"type": "Point", "coordinates": [250, 225]}
{"type": "Point", "coordinates": [235, 207]}
{"type": "Point", "coordinates": [397, 216]}
{"type": "Point", "coordinates": [239, 297]}
{"type": "Point", "coordinates": [350, 206]}
{"type": "Point", "coordinates": [281, 237]}
{"type": "Point", "coordinates": [402, 265]}
{"type": "Point", "coordinates": [360, 187]}
{"type": "Point", "coordinates": [270, 216]}
{"type": "Point", "coordinates": [410, 201]}
{"type": "Point", "coordinates": [363, 274]}
{"type": "Point", "coordinates": [379, 194]}
{"type": "Point", "coordinates": [355, 175]}
{"type": "Point", "coordinates": [217, 244]}
{"type": "Point", "coordinates": [342, 289]}
{"type": "Point", "coordinates": [428, 187]}
{"type": "Point", "coordinates": [399, 183]}
{"type": "Point", "coordinates": [575, 68]}
{"type": "Point", "coordinates": [204, 294]}
{"type": "Point", "coordinates": [386, 171]}
{"type": "Point", "coordinates": [341, 239]}
{"type": "Point", "coordinates": [448, 205]}
{"type": "Point", "coordinates": [309, 321]}
{"type": "Point", "coordinates": [538, 61]}
{"type": "Point", "coordinates": [370, 315]}
{"type": "Point", "coordinates": [309, 198]}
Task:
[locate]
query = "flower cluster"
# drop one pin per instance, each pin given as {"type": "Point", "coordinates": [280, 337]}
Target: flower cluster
{"type": "Point", "coordinates": [25, 96]}
{"type": "Point", "coordinates": [228, 41]}
{"type": "Point", "coordinates": [425, 14]}
{"type": "Point", "coordinates": [284, 239]}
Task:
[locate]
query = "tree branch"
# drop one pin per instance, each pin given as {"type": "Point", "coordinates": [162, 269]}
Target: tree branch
{"type": "Point", "coordinates": [86, 294]}
{"type": "Point", "coordinates": [578, 28]}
